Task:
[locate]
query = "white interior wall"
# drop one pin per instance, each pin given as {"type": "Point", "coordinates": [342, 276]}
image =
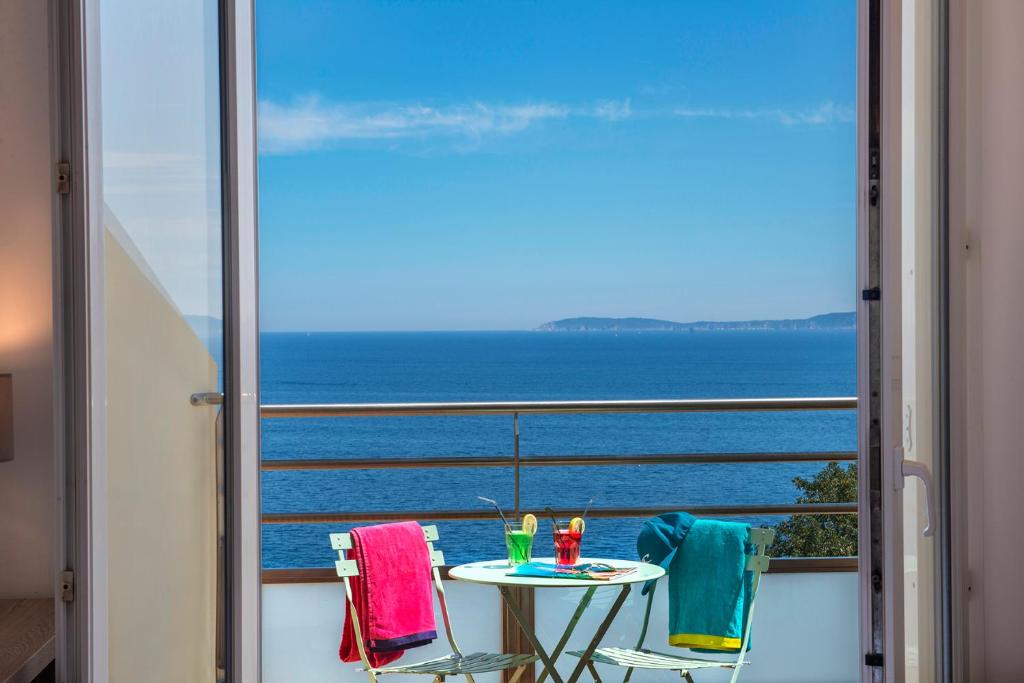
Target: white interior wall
{"type": "Point", "coordinates": [992, 174]}
{"type": "Point", "coordinates": [26, 309]}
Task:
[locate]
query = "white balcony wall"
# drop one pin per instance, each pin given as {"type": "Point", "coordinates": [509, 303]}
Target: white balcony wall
{"type": "Point", "coordinates": [805, 629]}
{"type": "Point", "coordinates": [302, 631]}
{"type": "Point", "coordinates": [161, 479]}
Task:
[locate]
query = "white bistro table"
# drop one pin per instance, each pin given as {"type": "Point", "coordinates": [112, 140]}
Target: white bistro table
{"type": "Point", "coordinates": [496, 573]}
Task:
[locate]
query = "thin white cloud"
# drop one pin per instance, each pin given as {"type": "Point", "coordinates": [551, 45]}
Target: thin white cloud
{"type": "Point", "coordinates": [824, 114]}
{"type": "Point", "coordinates": [310, 123]}
{"type": "Point", "coordinates": [612, 110]}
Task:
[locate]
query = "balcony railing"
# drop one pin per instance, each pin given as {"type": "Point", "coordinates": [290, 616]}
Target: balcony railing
{"type": "Point", "coordinates": [516, 462]}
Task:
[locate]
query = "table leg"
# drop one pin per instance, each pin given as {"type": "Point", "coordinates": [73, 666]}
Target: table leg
{"type": "Point", "coordinates": [549, 665]}
{"type": "Point", "coordinates": [584, 603]}
{"type": "Point", "coordinates": [585, 658]}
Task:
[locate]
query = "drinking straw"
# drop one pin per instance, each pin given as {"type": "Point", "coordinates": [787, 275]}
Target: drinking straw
{"type": "Point", "coordinates": [500, 513]}
{"type": "Point", "coordinates": [551, 512]}
{"type": "Point", "coordinates": [587, 509]}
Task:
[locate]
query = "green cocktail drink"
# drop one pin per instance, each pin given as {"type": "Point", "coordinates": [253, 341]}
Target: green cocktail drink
{"type": "Point", "coordinates": [520, 546]}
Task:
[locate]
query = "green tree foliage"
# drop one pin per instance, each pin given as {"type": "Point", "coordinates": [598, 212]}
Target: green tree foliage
{"type": "Point", "coordinates": [821, 535]}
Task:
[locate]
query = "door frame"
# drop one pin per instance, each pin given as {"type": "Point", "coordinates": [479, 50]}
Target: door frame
{"type": "Point", "coordinates": [876, 166]}
{"type": "Point", "coordinates": [241, 338]}
{"type": "Point", "coordinates": [79, 424]}
{"type": "Point", "coordinates": [879, 355]}
{"type": "Point", "coordinates": [79, 345]}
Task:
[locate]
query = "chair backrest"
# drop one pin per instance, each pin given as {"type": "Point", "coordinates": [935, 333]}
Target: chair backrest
{"type": "Point", "coordinates": [347, 568]}
{"type": "Point", "coordinates": [757, 562]}
{"type": "Point", "coordinates": [344, 566]}
{"type": "Point", "coordinates": [760, 538]}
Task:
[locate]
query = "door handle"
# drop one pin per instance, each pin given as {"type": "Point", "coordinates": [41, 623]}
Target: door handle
{"type": "Point", "coordinates": [207, 398]}
{"type": "Point", "coordinates": [913, 468]}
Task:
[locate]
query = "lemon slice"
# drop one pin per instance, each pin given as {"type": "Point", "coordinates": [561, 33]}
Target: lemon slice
{"type": "Point", "coordinates": [577, 525]}
{"type": "Point", "coordinates": [529, 524]}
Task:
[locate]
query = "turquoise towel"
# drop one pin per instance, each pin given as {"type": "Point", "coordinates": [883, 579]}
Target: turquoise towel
{"type": "Point", "coordinates": [710, 588]}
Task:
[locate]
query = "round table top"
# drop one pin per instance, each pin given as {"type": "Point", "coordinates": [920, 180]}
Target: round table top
{"type": "Point", "coordinates": [495, 573]}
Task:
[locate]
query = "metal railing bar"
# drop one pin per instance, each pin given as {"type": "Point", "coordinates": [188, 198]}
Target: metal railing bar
{"type": "Point", "coordinates": [558, 407]}
{"type": "Point", "coordinates": [619, 512]}
{"type": "Point", "coordinates": [552, 460]}
{"type": "Point", "coordinates": [517, 461]}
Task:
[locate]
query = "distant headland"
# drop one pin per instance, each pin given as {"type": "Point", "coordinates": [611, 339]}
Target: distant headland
{"type": "Point", "coordinates": [826, 321]}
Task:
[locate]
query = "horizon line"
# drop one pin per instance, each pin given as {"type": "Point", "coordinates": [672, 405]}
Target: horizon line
{"type": "Point", "coordinates": [539, 328]}
{"type": "Point", "coordinates": [536, 329]}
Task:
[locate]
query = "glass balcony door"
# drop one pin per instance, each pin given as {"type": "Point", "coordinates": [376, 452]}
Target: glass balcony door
{"type": "Point", "coordinates": [157, 241]}
{"type": "Point", "coordinates": [905, 541]}
{"type": "Point", "coordinates": [163, 323]}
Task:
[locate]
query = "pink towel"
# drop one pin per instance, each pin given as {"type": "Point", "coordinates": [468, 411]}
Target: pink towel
{"type": "Point", "coordinates": [392, 593]}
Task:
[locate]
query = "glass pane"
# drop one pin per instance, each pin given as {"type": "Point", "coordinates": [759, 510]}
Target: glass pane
{"type": "Point", "coordinates": [162, 280]}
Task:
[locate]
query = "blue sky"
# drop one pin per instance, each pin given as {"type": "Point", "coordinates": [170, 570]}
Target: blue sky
{"type": "Point", "coordinates": [495, 165]}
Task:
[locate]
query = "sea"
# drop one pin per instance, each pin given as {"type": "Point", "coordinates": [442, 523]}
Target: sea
{"type": "Point", "coordinates": [364, 367]}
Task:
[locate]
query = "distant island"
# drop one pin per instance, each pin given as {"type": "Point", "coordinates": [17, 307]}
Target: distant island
{"type": "Point", "coordinates": [826, 321]}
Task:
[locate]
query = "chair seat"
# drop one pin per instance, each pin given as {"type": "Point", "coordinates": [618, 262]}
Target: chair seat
{"type": "Point", "coordinates": [454, 665]}
{"type": "Point", "coordinates": [646, 659]}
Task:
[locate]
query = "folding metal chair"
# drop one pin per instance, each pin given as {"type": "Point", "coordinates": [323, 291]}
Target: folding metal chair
{"type": "Point", "coordinates": [454, 664]}
{"type": "Point", "coordinates": [641, 658]}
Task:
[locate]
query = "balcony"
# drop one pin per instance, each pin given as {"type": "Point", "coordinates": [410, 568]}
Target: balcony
{"type": "Point", "coordinates": [805, 625]}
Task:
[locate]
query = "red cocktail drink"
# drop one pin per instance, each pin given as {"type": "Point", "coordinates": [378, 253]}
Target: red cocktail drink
{"type": "Point", "coordinates": [567, 546]}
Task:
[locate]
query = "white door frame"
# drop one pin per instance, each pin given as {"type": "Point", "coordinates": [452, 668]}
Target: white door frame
{"type": "Point", "coordinates": [82, 633]}
{"type": "Point", "coordinates": [79, 421]}
{"type": "Point", "coordinates": [879, 265]}
{"type": "Point", "coordinates": [241, 340]}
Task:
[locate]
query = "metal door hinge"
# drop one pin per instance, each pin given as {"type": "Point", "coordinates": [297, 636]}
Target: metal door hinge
{"type": "Point", "coordinates": [874, 175]}
{"type": "Point", "coordinates": [67, 586]}
{"type": "Point", "coordinates": [873, 659]}
{"type": "Point", "coordinates": [63, 178]}
{"type": "Point", "coordinates": [874, 164]}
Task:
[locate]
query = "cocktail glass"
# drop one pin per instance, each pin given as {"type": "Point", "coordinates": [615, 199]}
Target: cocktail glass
{"type": "Point", "coordinates": [567, 545]}
{"type": "Point", "coordinates": [519, 544]}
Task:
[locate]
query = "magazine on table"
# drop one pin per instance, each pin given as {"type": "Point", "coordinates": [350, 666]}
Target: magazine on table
{"type": "Point", "coordinates": [591, 571]}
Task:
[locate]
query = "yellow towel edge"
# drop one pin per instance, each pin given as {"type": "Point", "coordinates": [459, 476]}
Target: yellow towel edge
{"type": "Point", "coordinates": [704, 642]}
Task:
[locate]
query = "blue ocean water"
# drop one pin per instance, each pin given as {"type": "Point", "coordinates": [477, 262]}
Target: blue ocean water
{"type": "Point", "coordinates": [499, 366]}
